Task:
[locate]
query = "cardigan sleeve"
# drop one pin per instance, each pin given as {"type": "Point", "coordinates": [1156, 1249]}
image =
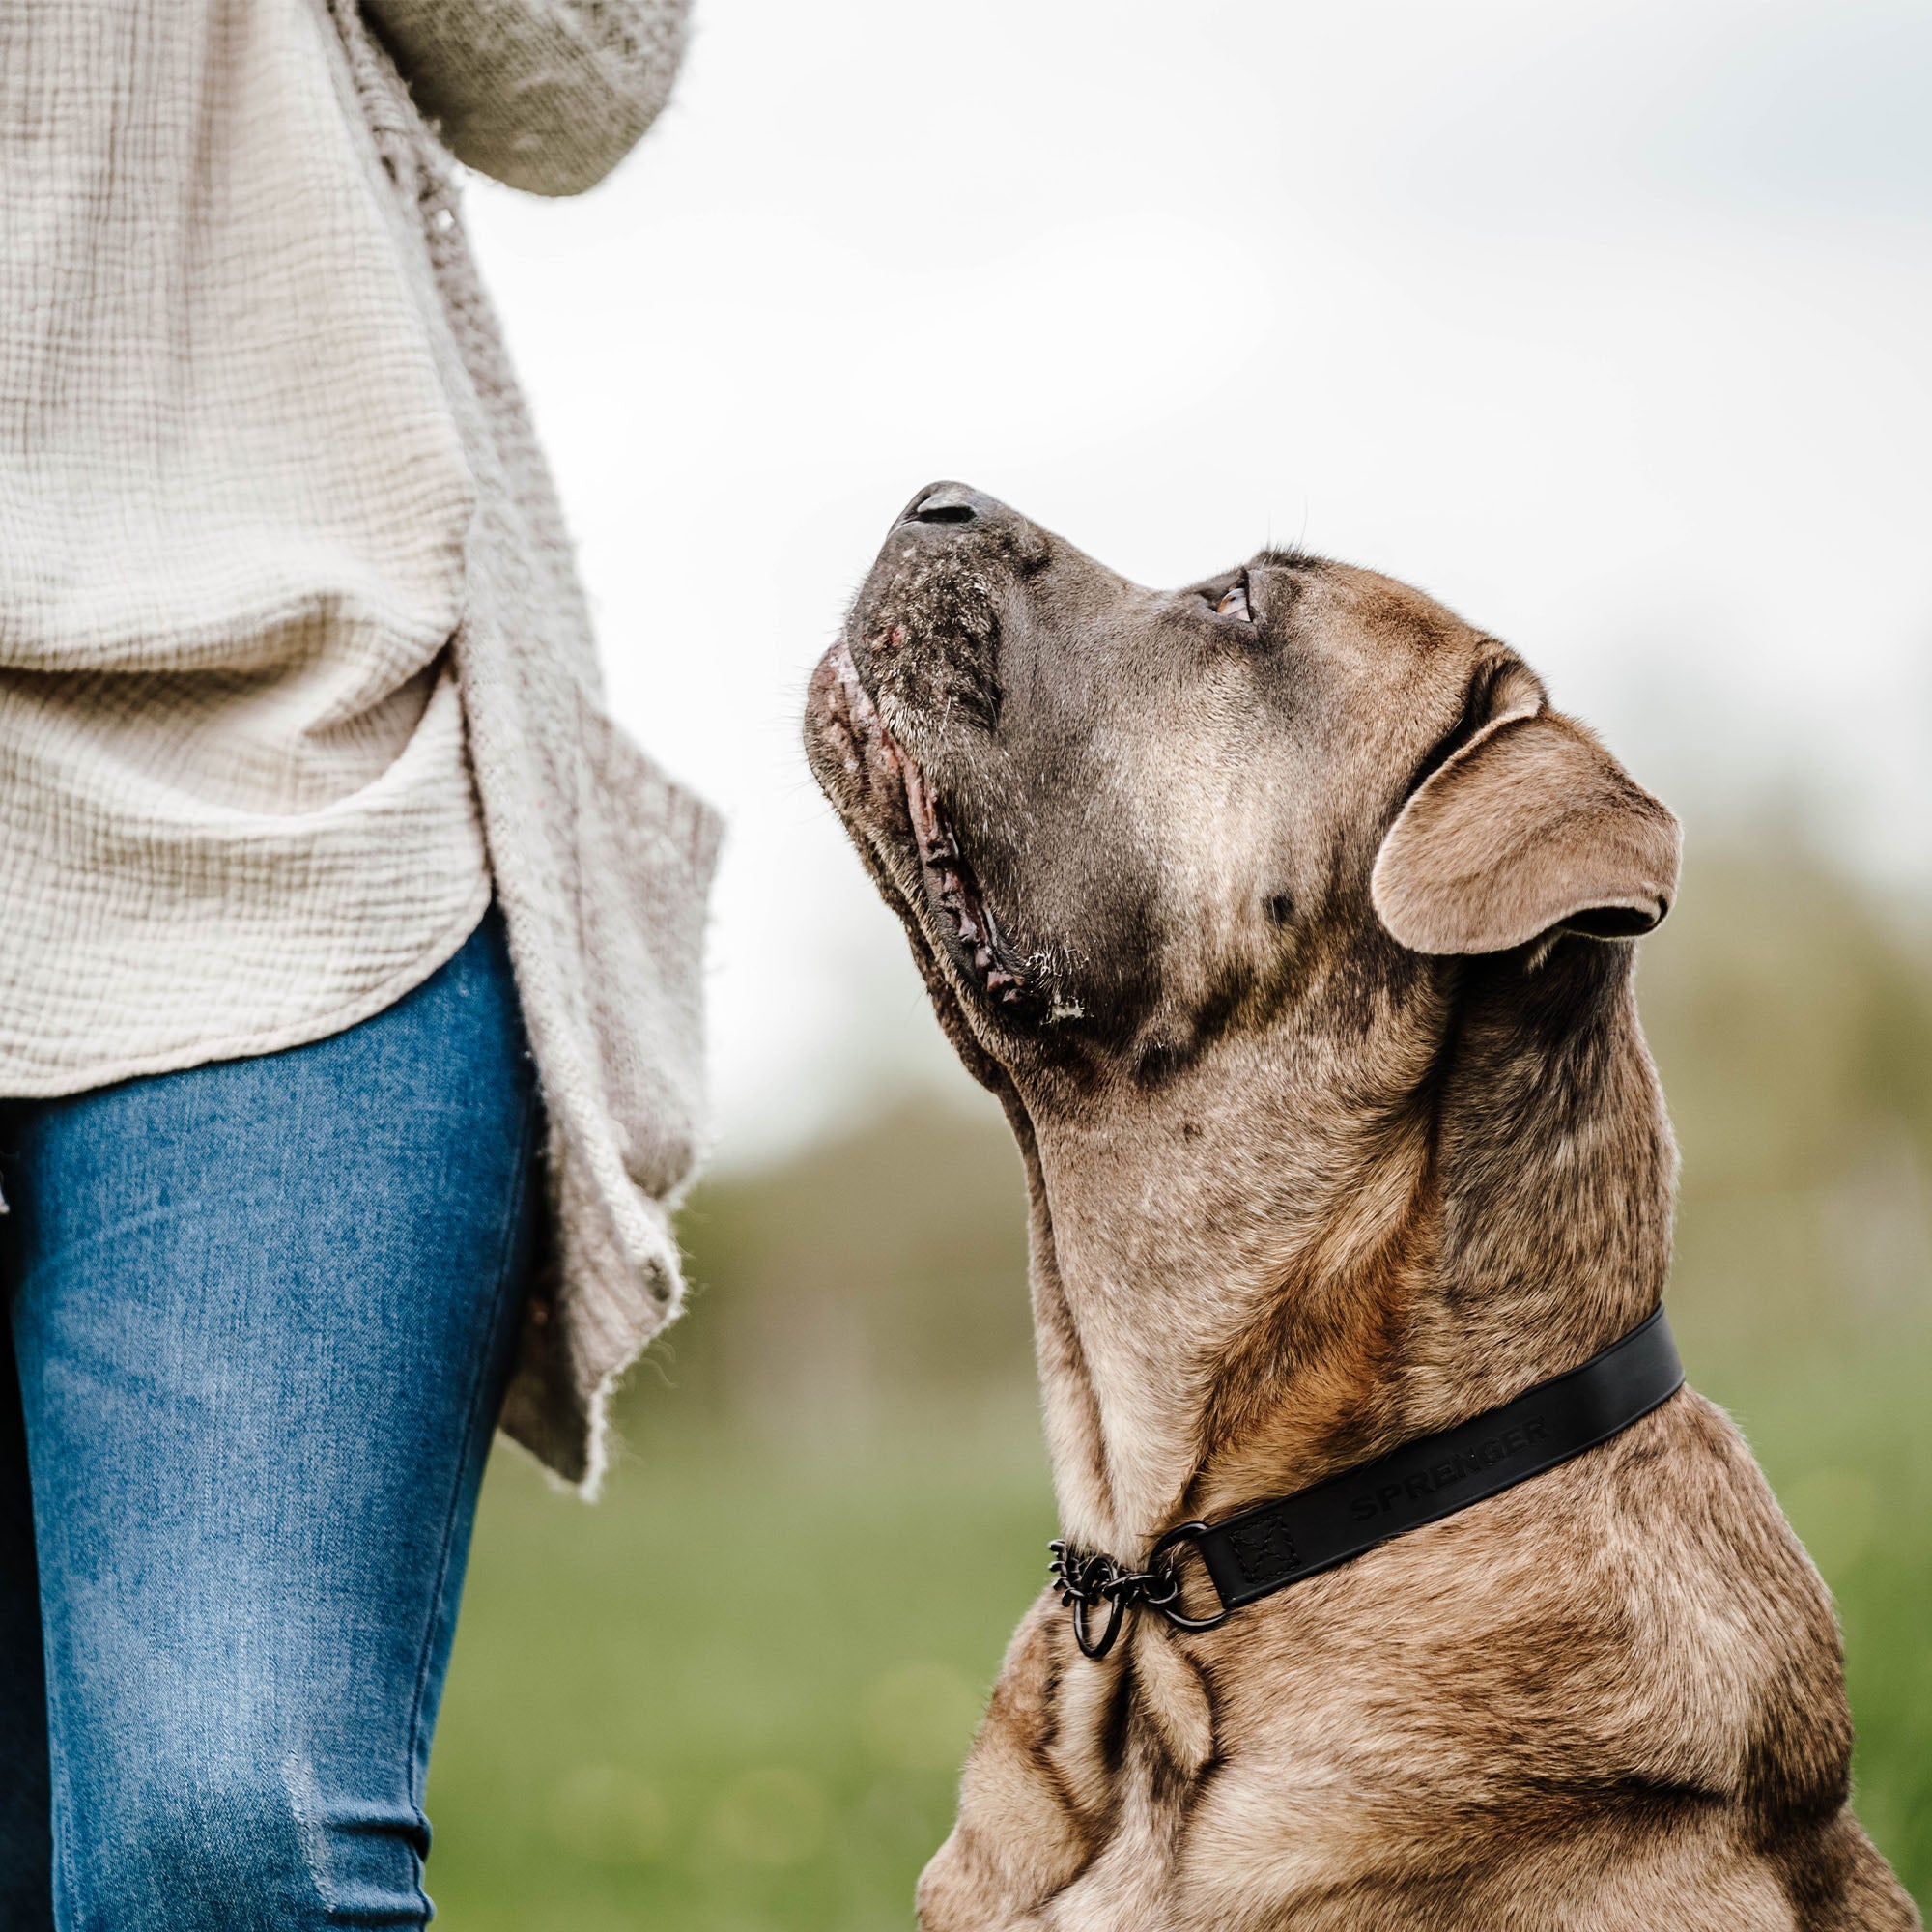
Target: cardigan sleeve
{"type": "Point", "coordinates": [546, 94]}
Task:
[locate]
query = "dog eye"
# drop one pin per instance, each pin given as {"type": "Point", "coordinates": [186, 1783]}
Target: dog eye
{"type": "Point", "coordinates": [1235, 604]}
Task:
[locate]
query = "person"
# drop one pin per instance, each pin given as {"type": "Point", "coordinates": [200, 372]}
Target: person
{"type": "Point", "coordinates": [348, 952]}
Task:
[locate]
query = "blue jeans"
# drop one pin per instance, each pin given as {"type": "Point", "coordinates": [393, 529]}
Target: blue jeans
{"type": "Point", "coordinates": [262, 1317]}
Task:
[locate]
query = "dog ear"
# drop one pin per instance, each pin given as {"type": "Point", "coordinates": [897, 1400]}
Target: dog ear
{"type": "Point", "coordinates": [1529, 827]}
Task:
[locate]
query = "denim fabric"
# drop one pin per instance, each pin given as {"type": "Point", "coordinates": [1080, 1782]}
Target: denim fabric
{"type": "Point", "coordinates": [261, 1318]}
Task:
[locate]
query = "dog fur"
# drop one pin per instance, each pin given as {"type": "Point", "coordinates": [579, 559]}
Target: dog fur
{"type": "Point", "coordinates": [1292, 927]}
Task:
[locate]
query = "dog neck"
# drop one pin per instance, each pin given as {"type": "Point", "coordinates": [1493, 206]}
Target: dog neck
{"type": "Point", "coordinates": [1290, 1261]}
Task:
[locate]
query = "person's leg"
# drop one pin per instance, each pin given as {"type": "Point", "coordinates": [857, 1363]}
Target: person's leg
{"type": "Point", "coordinates": [26, 1835]}
{"type": "Point", "coordinates": [263, 1312]}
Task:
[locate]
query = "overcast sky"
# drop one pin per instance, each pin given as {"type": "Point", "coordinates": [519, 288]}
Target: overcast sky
{"type": "Point", "coordinates": [1606, 323]}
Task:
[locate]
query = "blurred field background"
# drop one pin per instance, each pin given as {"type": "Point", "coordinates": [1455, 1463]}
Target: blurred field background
{"type": "Point", "coordinates": [734, 1698]}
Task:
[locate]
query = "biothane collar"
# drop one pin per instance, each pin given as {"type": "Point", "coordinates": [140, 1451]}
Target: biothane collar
{"type": "Point", "coordinates": [1271, 1544]}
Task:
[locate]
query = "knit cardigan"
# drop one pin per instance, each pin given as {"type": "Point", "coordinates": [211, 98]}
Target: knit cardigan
{"type": "Point", "coordinates": [600, 864]}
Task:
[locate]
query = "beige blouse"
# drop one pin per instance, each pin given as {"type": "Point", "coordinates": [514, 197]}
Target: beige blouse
{"type": "Point", "coordinates": [235, 807]}
{"type": "Point", "coordinates": [261, 501]}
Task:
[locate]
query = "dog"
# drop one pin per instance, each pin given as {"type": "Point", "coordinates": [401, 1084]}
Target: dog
{"type": "Point", "coordinates": [1294, 929]}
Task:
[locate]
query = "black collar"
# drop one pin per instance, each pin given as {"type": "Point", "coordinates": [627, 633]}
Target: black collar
{"type": "Point", "coordinates": [1274, 1544]}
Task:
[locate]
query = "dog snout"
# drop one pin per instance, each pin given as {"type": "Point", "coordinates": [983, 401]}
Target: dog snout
{"type": "Point", "coordinates": [951, 504]}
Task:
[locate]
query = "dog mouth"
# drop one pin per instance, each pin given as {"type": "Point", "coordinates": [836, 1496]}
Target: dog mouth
{"type": "Point", "coordinates": [890, 774]}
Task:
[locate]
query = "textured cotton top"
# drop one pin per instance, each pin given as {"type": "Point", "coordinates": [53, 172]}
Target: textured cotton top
{"type": "Point", "coordinates": [235, 809]}
{"type": "Point", "coordinates": [599, 863]}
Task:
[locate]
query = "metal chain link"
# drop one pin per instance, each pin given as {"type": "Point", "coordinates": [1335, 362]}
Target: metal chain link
{"type": "Point", "coordinates": [1086, 1578]}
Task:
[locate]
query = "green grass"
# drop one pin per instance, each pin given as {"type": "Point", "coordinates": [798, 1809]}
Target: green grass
{"type": "Point", "coordinates": [733, 1697]}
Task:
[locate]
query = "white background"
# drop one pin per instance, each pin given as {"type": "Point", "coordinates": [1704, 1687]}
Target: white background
{"type": "Point", "coordinates": [1609, 324]}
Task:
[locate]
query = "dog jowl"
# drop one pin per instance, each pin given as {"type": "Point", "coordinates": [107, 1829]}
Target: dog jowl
{"type": "Point", "coordinates": [1293, 928]}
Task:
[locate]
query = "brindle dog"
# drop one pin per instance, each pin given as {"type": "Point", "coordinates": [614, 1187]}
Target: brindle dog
{"type": "Point", "coordinates": [1292, 927]}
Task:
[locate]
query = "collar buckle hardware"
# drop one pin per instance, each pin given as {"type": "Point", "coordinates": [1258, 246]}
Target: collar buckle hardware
{"type": "Point", "coordinates": [1087, 1578]}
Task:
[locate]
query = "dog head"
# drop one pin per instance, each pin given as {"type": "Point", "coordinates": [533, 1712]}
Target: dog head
{"type": "Point", "coordinates": [1130, 830]}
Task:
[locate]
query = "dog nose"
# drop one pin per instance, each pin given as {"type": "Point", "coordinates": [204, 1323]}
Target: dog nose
{"type": "Point", "coordinates": [947, 503]}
